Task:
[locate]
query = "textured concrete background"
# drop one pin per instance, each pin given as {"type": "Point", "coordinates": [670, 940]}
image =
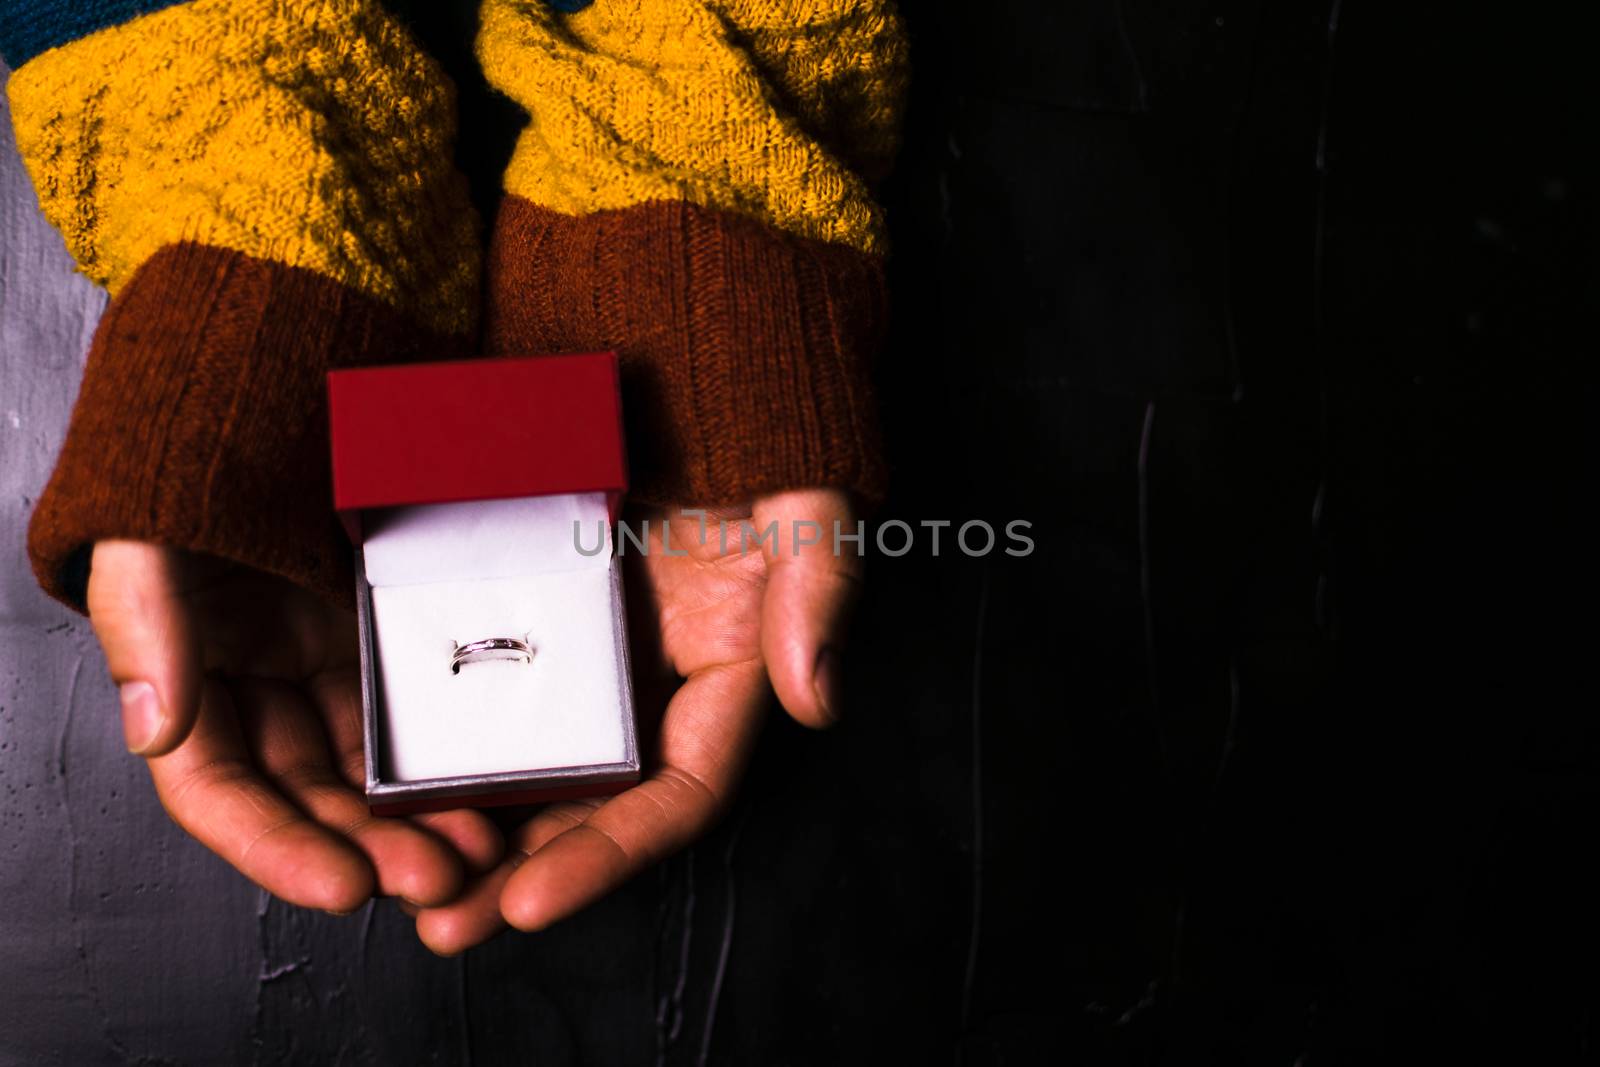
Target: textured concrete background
{"type": "Point", "coordinates": [114, 923]}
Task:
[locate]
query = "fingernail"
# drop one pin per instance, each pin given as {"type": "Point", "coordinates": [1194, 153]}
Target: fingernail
{"type": "Point", "coordinates": [825, 680]}
{"type": "Point", "coordinates": [141, 715]}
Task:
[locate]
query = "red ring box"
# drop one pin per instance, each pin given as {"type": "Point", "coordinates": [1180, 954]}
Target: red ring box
{"type": "Point", "coordinates": [479, 496]}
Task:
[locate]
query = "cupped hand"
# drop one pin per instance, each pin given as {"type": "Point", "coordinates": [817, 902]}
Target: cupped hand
{"type": "Point", "coordinates": [734, 626]}
{"type": "Point", "coordinates": [242, 693]}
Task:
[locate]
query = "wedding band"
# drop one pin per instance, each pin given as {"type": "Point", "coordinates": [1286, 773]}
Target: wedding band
{"type": "Point", "coordinates": [490, 648]}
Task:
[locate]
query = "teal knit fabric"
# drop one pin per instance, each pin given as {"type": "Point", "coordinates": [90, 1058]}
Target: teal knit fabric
{"type": "Point", "coordinates": [28, 27]}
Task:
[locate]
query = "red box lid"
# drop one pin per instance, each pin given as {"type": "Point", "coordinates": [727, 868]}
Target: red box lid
{"type": "Point", "coordinates": [481, 429]}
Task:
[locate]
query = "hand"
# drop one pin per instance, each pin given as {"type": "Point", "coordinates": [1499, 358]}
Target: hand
{"type": "Point", "coordinates": [242, 692]}
{"type": "Point", "coordinates": [728, 624]}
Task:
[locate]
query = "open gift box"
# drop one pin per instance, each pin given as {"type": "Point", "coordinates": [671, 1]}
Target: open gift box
{"type": "Point", "coordinates": [480, 496]}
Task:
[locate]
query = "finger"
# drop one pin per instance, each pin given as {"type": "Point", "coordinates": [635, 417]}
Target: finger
{"type": "Point", "coordinates": [337, 693]}
{"type": "Point", "coordinates": [707, 734]}
{"type": "Point", "coordinates": [211, 788]}
{"type": "Point", "coordinates": [471, 833]}
{"type": "Point", "coordinates": [475, 917]}
{"type": "Point", "coordinates": [471, 919]}
{"type": "Point", "coordinates": [138, 609]}
{"type": "Point", "coordinates": [292, 748]}
{"type": "Point", "coordinates": [810, 589]}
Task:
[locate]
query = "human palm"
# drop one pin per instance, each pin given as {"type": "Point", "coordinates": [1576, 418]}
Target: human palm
{"type": "Point", "coordinates": [242, 691]}
{"type": "Point", "coordinates": [728, 623]}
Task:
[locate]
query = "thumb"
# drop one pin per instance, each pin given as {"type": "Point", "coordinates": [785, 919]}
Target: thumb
{"type": "Point", "coordinates": [147, 630]}
{"type": "Point", "coordinates": [810, 589]}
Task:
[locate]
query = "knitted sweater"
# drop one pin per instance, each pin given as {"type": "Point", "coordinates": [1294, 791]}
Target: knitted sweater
{"type": "Point", "coordinates": [266, 189]}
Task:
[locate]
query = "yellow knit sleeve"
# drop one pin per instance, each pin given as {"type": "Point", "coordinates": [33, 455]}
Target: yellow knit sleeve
{"type": "Point", "coordinates": [781, 110]}
{"type": "Point", "coordinates": [308, 133]}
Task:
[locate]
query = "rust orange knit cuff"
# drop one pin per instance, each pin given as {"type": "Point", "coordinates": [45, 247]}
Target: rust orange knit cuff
{"type": "Point", "coordinates": [744, 350]}
{"type": "Point", "coordinates": [201, 422]}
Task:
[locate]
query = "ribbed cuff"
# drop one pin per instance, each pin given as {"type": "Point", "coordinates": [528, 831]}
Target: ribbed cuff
{"type": "Point", "coordinates": [202, 419]}
{"type": "Point", "coordinates": [745, 351]}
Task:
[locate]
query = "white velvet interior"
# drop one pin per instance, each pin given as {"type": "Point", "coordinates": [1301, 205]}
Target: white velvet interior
{"type": "Point", "coordinates": [484, 539]}
{"type": "Point", "coordinates": [446, 573]}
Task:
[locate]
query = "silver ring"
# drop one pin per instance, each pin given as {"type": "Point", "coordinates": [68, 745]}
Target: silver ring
{"type": "Point", "coordinates": [490, 648]}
